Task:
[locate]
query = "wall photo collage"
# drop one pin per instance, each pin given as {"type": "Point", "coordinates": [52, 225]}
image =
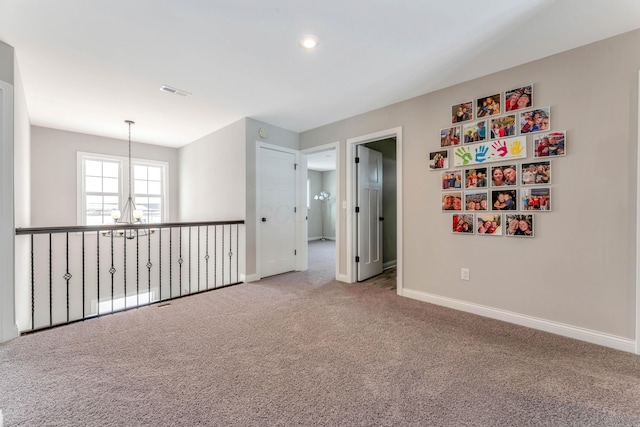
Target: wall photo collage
{"type": "Point", "coordinates": [485, 189]}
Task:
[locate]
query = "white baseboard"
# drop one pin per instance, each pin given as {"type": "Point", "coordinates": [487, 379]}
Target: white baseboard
{"type": "Point", "coordinates": [389, 264]}
{"type": "Point", "coordinates": [249, 278]}
{"type": "Point", "coordinates": [594, 337]}
{"type": "Point", "coordinates": [342, 278]}
{"type": "Point", "coordinates": [12, 332]}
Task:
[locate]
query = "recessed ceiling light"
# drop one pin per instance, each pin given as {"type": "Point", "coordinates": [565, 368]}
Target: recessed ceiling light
{"type": "Point", "coordinates": [309, 41]}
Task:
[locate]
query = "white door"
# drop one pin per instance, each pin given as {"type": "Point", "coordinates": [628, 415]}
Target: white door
{"type": "Point", "coordinates": [277, 216]}
{"type": "Point", "coordinates": [369, 203]}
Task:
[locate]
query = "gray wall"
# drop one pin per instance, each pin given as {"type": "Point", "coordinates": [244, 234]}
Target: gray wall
{"type": "Point", "coordinates": [10, 118]}
{"type": "Point", "coordinates": [213, 177]}
{"type": "Point", "coordinates": [580, 268]}
{"type": "Point", "coordinates": [6, 63]}
{"type": "Point", "coordinates": [54, 167]}
{"type": "Point", "coordinates": [319, 212]}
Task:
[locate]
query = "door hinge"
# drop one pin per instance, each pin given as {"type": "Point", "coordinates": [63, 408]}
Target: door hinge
{"type": "Point", "coordinates": [295, 209]}
{"type": "Point", "coordinates": [295, 166]}
{"type": "Point", "coordinates": [295, 252]}
{"type": "Point", "coordinates": [357, 209]}
{"type": "Point", "coordinates": [357, 259]}
{"type": "Point", "coordinates": [357, 159]}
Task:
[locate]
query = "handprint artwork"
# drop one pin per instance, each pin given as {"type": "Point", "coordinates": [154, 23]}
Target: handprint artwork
{"type": "Point", "coordinates": [494, 151]}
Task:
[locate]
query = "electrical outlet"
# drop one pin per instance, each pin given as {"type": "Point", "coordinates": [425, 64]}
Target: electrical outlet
{"type": "Point", "coordinates": [464, 273]}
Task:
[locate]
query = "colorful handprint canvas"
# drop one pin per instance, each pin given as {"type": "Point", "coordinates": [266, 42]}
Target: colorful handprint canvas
{"type": "Point", "coordinates": [491, 151]}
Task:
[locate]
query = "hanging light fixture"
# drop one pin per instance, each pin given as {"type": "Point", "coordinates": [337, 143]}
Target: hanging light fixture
{"type": "Point", "coordinates": [129, 215]}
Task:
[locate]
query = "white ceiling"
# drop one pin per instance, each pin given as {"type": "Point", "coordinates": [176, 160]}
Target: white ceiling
{"type": "Point", "coordinates": [322, 161]}
{"type": "Point", "coordinates": [88, 65]}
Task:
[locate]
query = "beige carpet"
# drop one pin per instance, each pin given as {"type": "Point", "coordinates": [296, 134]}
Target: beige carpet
{"type": "Point", "coordinates": [294, 350]}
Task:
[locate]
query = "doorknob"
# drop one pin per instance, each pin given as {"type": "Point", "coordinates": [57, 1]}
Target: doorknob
{"type": "Point", "coordinates": [264, 219]}
{"type": "Point", "coordinates": [381, 218]}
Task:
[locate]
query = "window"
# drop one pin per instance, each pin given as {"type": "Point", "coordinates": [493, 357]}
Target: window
{"type": "Point", "coordinates": [148, 183]}
{"type": "Point", "coordinates": [101, 190]}
{"type": "Point", "coordinates": [103, 186]}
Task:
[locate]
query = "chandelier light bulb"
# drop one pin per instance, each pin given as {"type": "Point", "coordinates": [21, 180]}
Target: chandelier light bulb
{"type": "Point", "coordinates": [115, 214]}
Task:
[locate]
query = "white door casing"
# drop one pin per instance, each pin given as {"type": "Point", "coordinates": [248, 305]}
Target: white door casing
{"type": "Point", "coordinates": [277, 211]}
{"type": "Point", "coordinates": [340, 206]}
{"type": "Point", "coordinates": [351, 238]}
{"type": "Point", "coordinates": [369, 212]}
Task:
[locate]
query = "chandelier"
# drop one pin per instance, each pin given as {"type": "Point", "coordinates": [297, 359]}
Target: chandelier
{"type": "Point", "coordinates": [129, 215]}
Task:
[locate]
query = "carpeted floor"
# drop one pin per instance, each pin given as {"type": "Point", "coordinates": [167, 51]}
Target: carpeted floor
{"type": "Point", "coordinates": [299, 349]}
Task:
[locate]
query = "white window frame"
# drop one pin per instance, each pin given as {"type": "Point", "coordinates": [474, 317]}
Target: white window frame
{"type": "Point", "coordinates": [124, 181]}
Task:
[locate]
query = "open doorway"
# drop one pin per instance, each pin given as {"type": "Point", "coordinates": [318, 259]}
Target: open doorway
{"type": "Point", "coordinates": [321, 211]}
{"type": "Point", "coordinates": [390, 141]}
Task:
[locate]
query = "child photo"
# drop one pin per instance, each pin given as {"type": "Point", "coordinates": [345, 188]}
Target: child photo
{"type": "Point", "coordinates": [439, 159]}
{"type": "Point", "coordinates": [536, 199]}
{"type": "Point", "coordinates": [535, 120]}
{"type": "Point", "coordinates": [502, 127]}
{"type": "Point", "coordinates": [475, 200]}
{"type": "Point", "coordinates": [549, 144]}
{"type": "Point", "coordinates": [518, 98]}
{"type": "Point", "coordinates": [489, 224]}
{"type": "Point", "coordinates": [462, 112]}
{"type": "Point", "coordinates": [519, 225]}
{"type": "Point", "coordinates": [452, 180]}
{"type": "Point", "coordinates": [536, 173]}
{"type": "Point", "coordinates": [462, 223]}
{"type": "Point", "coordinates": [476, 178]}
{"type": "Point", "coordinates": [450, 136]}
{"type": "Point", "coordinates": [504, 200]}
{"type": "Point", "coordinates": [474, 132]}
{"type": "Point", "coordinates": [488, 105]}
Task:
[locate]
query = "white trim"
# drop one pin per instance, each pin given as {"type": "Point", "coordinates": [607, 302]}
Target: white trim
{"type": "Point", "coordinates": [594, 337]}
{"type": "Point", "coordinates": [249, 278]}
{"type": "Point", "coordinates": [338, 204]}
{"type": "Point", "coordinates": [637, 324]}
{"type": "Point", "coordinates": [8, 325]}
{"type": "Point", "coordinates": [124, 174]}
{"type": "Point", "coordinates": [351, 190]}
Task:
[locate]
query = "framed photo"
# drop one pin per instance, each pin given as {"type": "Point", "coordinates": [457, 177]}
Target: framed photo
{"type": "Point", "coordinates": [462, 223]}
{"type": "Point", "coordinates": [538, 120]}
{"type": "Point", "coordinates": [439, 159]}
{"type": "Point", "coordinates": [452, 180]}
{"type": "Point", "coordinates": [489, 224]}
{"type": "Point", "coordinates": [452, 201]}
{"type": "Point", "coordinates": [504, 200]}
{"type": "Point", "coordinates": [475, 178]}
{"type": "Point", "coordinates": [502, 127]}
{"type": "Point", "coordinates": [450, 136]}
{"type": "Point", "coordinates": [476, 200]}
{"type": "Point", "coordinates": [549, 144]}
{"type": "Point", "coordinates": [536, 173]}
{"type": "Point", "coordinates": [518, 225]}
{"type": "Point", "coordinates": [488, 105]}
{"type": "Point", "coordinates": [536, 199]}
{"type": "Point", "coordinates": [504, 175]}
{"type": "Point", "coordinates": [474, 132]}
{"type": "Point", "coordinates": [518, 98]}
{"type": "Point", "coordinates": [462, 112]}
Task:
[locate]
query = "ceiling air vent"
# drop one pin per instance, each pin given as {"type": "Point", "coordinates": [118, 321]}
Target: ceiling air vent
{"type": "Point", "coordinates": [174, 91]}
